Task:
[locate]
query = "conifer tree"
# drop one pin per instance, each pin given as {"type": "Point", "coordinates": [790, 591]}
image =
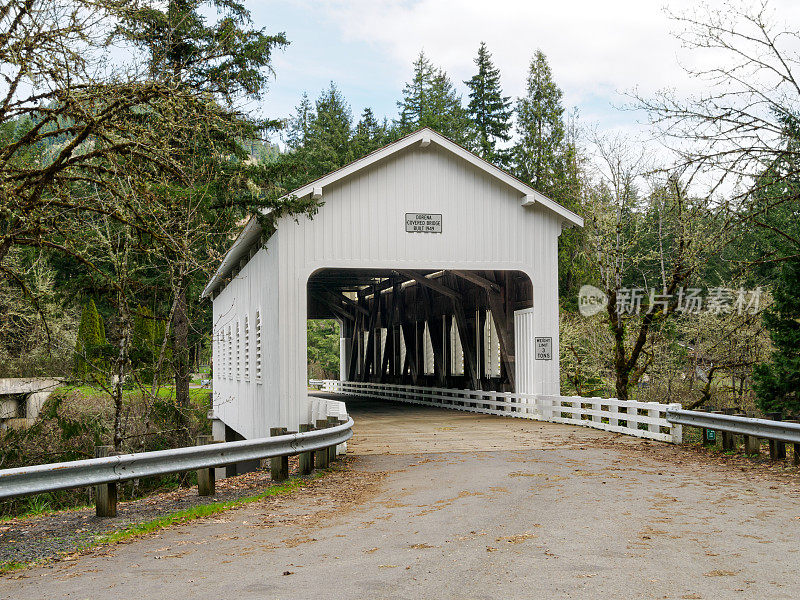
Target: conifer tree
{"type": "Point", "coordinates": [89, 346]}
{"type": "Point", "coordinates": [300, 124]}
{"type": "Point", "coordinates": [369, 134]}
{"type": "Point", "coordinates": [431, 100]}
{"type": "Point", "coordinates": [540, 129]}
{"type": "Point", "coordinates": [488, 110]}
{"type": "Point", "coordinates": [144, 344]}
{"type": "Point", "coordinates": [330, 132]}
{"type": "Point", "coordinates": [777, 383]}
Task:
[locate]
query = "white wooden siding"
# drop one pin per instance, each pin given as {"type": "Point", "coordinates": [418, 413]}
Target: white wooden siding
{"type": "Point", "coordinates": [362, 225]}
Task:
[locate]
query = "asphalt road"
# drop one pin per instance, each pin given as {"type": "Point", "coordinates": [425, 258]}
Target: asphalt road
{"type": "Point", "coordinates": [500, 508]}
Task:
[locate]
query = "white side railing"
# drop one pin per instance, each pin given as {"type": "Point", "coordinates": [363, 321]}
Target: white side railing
{"type": "Point", "coordinates": [321, 408]}
{"type": "Point", "coordinates": [640, 419]}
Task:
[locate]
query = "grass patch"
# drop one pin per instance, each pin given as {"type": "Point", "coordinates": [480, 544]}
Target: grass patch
{"type": "Point", "coordinates": [196, 512]}
{"type": "Point", "coordinates": [177, 518]}
{"type": "Point", "coordinates": [13, 565]}
{"type": "Point", "coordinates": [36, 511]}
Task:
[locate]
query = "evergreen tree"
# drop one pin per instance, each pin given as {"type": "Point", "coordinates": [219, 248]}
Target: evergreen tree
{"type": "Point", "coordinates": [90, 344]}
{"type": "Point", "coordinates": [144, 346]}
{"type": "Point", "coordinates": [540, 128]}
{"type": "Point", "coordinates": [330, 132]}
{"type": "Point", "coordinates": [777, 383]}
{"type": "Point", "coordinates": [488, 110]}
{"type": "Point", "coordinates": [320, 139]}
{"type": "Point", "coordinates": [369, 134]}
{"type": "Point", "coordinates": [208, 53]}
{"type": "Point", "coordinates": [300, 124]}
{"type": "Point", "coordinates": [431, 100]}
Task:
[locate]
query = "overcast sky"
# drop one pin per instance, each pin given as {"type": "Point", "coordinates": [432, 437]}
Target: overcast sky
{"type": "Point", "coordinates": [598, 50]}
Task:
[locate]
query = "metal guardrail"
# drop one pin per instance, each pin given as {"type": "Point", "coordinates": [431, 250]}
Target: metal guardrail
{"type": "Point", "coordinates": [38, 479]}
{"type": "Point", "coordinates": [780, 431]}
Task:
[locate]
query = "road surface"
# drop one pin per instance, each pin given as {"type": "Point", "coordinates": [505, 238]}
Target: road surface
{"type": "Point", "coordinates": [440, 504]}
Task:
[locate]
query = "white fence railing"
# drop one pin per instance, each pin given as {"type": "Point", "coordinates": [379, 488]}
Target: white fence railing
{"type": "Point", "coordinates": [640, 419]}
{"type": "Point", "coordinates": [322, 408]}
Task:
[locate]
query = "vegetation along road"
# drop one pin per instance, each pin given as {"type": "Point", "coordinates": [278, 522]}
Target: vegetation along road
{"type": "Point", "coordinates": [440, 504]}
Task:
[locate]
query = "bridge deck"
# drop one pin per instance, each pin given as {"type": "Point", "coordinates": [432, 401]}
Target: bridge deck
{"type": "Point", "coordinates": [399, 428]}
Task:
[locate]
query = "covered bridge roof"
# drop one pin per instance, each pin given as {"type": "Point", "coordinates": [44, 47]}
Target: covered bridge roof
{"type": "Point", "coordinates": [251, 233]}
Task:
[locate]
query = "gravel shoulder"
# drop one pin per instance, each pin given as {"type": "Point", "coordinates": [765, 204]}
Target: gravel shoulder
{"type": "Point", "coordinates": [59, 534]}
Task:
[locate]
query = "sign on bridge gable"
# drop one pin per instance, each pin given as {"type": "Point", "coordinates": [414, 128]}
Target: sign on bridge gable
{"type": "Point", "coordinates": [423, 223]}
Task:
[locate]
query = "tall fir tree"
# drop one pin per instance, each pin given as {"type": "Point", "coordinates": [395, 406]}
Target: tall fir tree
{"type": "Point", "coordinates": [488, 110]}
{"type": "Point", "coordinates": [369, 134]}
{"type": "Point", "coordinates": [144, 344]}
{"type": "Point", "coordinates": [89, 347]}
{"type": "Point", "coordinates": [540, 129]}
{"type": "Point", "coordinates": [330, 131]}
{"type": "Point", "coordinates": [299, 125]}
{"type": "Point", "coordinates": [204, 49]}
{"type": "Point", "coordinates": [431, 100]}
{"type": "Point", "coordinates": [319, 140]}
{"type": "Point", "coordinates": [777, 383]}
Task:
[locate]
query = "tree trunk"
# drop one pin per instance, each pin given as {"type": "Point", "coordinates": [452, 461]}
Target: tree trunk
{"type": "Point", "coordinates": [180, 341]}
{"type": "Point", "coordinates": [5, 246]}
{"type": "Point", "coordinates": [119, 371]}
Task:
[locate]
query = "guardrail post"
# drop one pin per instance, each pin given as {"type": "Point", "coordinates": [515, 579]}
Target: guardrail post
{"type": "Point", "coordinates": [321, 460]}
{"type": "Point", "coordinates": [795, 447]}
{"type": "Point", "coordinates": [752, 444]}
{"type": "Point", "coordinates": [306, 458]}
{"type": "Point", "coordinates": [777, 450]}
{"type": "Point", "coordinates": [105, 494]}
{"type": "Point", "coordinates": [727, 437]}
{"type": "Point", "coordinates": [676, 430]}
{"type": "Point", "coordinates": [205, 477]}
{"type": "Point", "coordinates": [279, 465]}
{"type": "Point", "coordinates": [332, 422]}
{"type": "Point", "coordinates": [736, 437]}
{"type": "Point", "coordinates": [344, 446]}
{"type": "Point", "coordinates": [710, 435]}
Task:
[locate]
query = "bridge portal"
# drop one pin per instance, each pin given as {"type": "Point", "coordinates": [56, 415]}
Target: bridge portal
{"type": "Point", "coordinates": [441, 268]}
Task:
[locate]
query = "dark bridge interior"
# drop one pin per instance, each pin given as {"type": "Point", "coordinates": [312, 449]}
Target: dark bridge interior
{"type": "Point", "coordinates": [445, 328]}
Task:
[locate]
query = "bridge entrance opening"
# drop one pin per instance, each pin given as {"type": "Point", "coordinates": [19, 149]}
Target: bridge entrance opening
{"type": "Point", "coordinates": [442, 328]}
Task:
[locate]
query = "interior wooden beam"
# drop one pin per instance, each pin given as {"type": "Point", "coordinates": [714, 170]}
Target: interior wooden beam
{"type": "Point", "coordinates": [500, 318]}
{"type": "Point", "coordinates": [352, 303]}
{"type": "Point", "coordinates": [369, 353]}
{"type": "Point", "coordinates": [354, 341]}
{"type": "Point", "coordinates": [477, 280]}
{"type": "Point", "coordinates": [467, 336]}
{"type": "Point", "coordinates": [435, 330]}
{"type": "Point", "coordinates": [336, 309]}
{"type": "Point", "coordinates": [429, 283]}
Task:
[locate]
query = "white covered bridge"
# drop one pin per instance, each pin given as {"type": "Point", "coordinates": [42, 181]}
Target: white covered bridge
{"type": "Point", "coordinates": [441, 269]}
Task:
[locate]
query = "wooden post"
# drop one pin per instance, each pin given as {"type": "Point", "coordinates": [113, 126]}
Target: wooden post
{"type": "Point", "coordinates": [752, 444]}
{"type": "Point", "coordinates": [727, 437]}
{"type": "Point", "coordinates": [710, 435]}
{"type": "Point", "coordinates": [332, 422]}
{"type": "Point", "coordinates": [737, 436]}
{"type": "Point", "coordinates": [306, 458]}
{"type": "Point", "coordinates": [105, 494]}
{"type": "Point", "coordinates": [321, 460]}
{"type": "Point", "coordinates": [777, 450]}
{"type": "Point", "coordinates": [795, 447]}
{"type": "Point", "coordinates": [279, 465]}
{"type": "Point", "coordinates": [205, 477]}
